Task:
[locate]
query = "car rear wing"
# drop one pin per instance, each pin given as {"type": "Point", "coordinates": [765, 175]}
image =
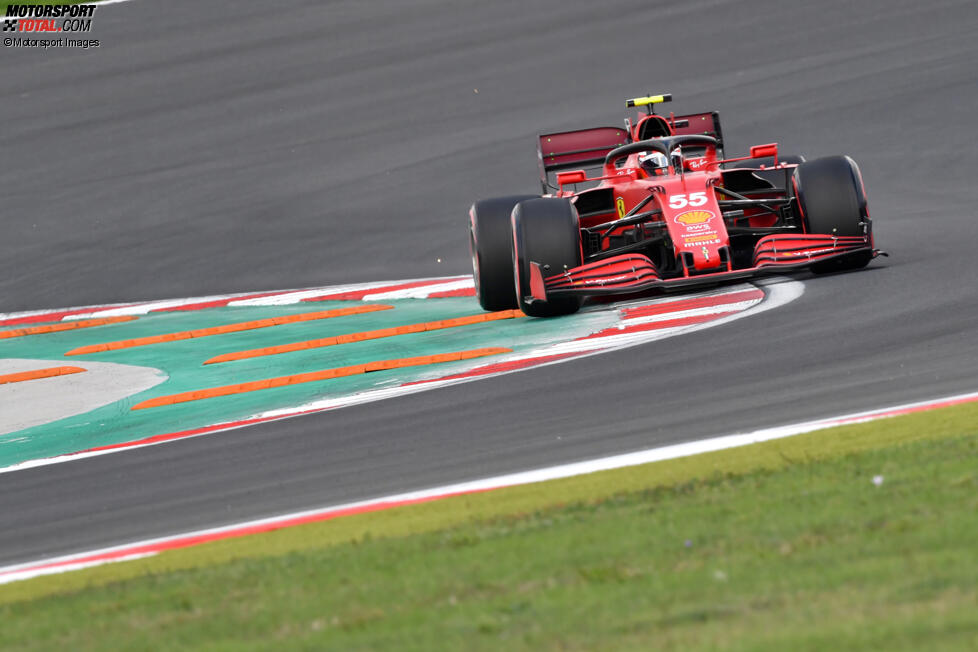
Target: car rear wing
{"type": "Point", "coordinates": [703, 124]}
{"type": "Point", "coordinates": [588, 147]}
{"type": "Point", "coordinates": [576, 149]}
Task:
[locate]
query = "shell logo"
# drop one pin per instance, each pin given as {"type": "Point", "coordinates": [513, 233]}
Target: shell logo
{"type": "Point", "coordinates": [694, 217]}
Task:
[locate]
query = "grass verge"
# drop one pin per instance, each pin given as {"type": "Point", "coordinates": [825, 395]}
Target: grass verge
{"type": "Point", "coordinates": [789, 544]}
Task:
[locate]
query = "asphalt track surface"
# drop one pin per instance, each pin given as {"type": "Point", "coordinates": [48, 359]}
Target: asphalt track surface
{"type": "Point", "coordinates": [217, 147]}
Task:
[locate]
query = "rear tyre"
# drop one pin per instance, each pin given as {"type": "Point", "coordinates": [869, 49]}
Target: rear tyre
{"type": "Point", "coordinates": [547, 232]}
{"type": "Point", "coordinates": [832, 202]}
{"type": "Point", "coordinates": [491, 244]}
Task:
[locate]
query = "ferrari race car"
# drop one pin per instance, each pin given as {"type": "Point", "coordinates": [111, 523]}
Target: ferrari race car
{"type": "Point", "coordinates": [656, 205]}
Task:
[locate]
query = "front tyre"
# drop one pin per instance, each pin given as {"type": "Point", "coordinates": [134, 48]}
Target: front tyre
{"type": "Point", "coordinates": [547, 232]}
{"type": "Point", "coordinates": [491, 244]}
{"type": "Point", "coordinates": [832, 201]}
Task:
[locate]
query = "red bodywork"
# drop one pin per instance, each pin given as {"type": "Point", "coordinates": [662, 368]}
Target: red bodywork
{"type": "Point", "coordinates": [697, 229]}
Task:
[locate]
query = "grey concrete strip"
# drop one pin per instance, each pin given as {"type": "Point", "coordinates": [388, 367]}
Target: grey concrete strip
{"type": "Point", "coordinates": [36, 402]}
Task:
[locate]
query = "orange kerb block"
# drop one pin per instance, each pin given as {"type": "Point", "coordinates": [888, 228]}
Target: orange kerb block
{"type": "Point", "coordinates": [39, 373]}
{"type": "Point", "coordinates": [313, 376]}
{"type": "Point", "coordinates": [229, 328]}
{"type": "Point", "coordinates": [366, 335]}
{"type": "Point", "coordinates": [64, 326]}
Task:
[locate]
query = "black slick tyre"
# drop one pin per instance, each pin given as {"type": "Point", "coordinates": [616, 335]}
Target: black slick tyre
{"type": "Point", "coordinates": [545, 231]}
{"type": "Point", "coordinates": [491, 244]}
{"type": "Point", "coordinates": [832, 202]}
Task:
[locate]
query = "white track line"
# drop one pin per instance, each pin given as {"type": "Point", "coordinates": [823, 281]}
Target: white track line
{"type": "Point", "coordinates": [421, 292]}
{"type": "Point", "coordinates": [692, 312]}
{"type": "Point", "coordinates": [150, 547]}
{"type": "Point", "coordinates": [286, 298]}
{"type": "Point", "coordinates": [274, 298]}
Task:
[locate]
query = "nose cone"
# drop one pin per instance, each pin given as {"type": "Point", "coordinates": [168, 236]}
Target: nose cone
{"type": "Point", "coordinates": [700, 233]}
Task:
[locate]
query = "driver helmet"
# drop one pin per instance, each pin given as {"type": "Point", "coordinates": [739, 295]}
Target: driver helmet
{"type": "Point", "coordinates": [652, 162]}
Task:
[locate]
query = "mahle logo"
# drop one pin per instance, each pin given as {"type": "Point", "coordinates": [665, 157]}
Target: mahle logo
{"type": "Point", "coordinates": [694, 217]}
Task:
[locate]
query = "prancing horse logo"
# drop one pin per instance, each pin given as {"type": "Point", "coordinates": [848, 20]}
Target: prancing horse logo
{"type": "Point", "coordinates": [620, 204]}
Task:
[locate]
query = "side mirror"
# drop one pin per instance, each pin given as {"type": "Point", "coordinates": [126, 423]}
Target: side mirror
{"type": "Point", "coordinates": [760, 151]}
{"type": "Point", "coordinates": [574, 176]}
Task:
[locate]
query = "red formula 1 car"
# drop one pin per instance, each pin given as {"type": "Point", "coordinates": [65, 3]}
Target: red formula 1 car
{"type": "Point", "coordinates": [665, 209]}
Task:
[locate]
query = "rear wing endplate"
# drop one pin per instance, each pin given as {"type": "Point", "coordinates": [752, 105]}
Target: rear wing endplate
{"type": "Point", "coordinates": [703, 124]}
